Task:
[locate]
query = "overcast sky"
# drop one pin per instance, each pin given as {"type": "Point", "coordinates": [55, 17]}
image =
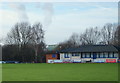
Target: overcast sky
{"type": "Point", "coordinates": [59, 19]}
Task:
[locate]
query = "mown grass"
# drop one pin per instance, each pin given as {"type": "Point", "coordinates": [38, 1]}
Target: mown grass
{"type": "Point", "coordinates": [60, 72]}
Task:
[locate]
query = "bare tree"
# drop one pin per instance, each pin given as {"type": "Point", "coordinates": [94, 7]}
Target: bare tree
{"type": "Point", "coordinates": [117, 35]}
{"type": "Point", "coordinates": [64, 45]}
{"type": "Point", "coordinates": [75, 40]}
{"type": "Point", "coordinates": [20, 34]}
{"type": "Point", "coordinates": [108, 33]}
{"type": "Point", "coordinates": [26, 36]}
{"type": "Point", "coordinates": [38, 40]}
{"type": "Point", "coordinates": [90, 36]}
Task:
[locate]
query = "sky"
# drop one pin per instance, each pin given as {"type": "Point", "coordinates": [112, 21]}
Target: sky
{"type": "Point", "coordinates": [59, 19]}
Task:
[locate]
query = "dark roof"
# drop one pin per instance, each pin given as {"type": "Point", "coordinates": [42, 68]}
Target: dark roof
{"type": "Point", "coordinates": [92, 48]}
{"type": "Point", "coordinates": [118, 47]}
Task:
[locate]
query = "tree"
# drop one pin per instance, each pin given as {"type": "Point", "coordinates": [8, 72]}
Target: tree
{"type": "Point", "coordinates": [64, 45]}
{"type": "Point", "coordinates": [27, 37]}
{"type": "Point", "coordinates": [38, 40]}
{"type": "Point", "coordinates": [10, 53]}
{"type": "Point", "coordinates": [20, 34]}
{"type": "Point", "coordinates": [118, 33]}
{"type": "Point", "coordinates": [74, 40]}
{"type": "Point", "coordinates": [90, 36]}
{"type": "Point", "coordinates": [108, 33]}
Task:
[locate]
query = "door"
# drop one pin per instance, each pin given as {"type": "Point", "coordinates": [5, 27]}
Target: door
{"type": "Point", "coordinates": [94, 55]}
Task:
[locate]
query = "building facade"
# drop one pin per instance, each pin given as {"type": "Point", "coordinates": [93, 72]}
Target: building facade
{"type": "Point", "coordinates": [50, 57]}
{"type": "Point", "coordinates": [91, 53]}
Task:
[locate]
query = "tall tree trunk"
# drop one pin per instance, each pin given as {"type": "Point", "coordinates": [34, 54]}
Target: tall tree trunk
{"type": "Point", "coordinates": [119, 35]}
{"type": "Point", "coordinates": [23, 59]}
{"type": "Point", "coordinates": [36, 55]}
{"type": "Point", "coordinates": [41, 59]}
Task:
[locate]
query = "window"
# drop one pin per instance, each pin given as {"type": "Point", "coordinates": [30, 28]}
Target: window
{"type": "Point", "coordinates": [66, 55]}
{"type": "Point", "coordinates": [87, 55]}
{"type": "Point", "coordinates": [101, 55]}
{"type": "Point", "coordinates": [83, 55]}
{"type": "Point", "coordinates": [79, 54]}
{"type": "Point", "coordinates": [115, 55]}
{"type": "Point", "coordinates": [75, 54]}
{"type": "Point", "coordinates": [53, 55]}
{"type": "Point", "coordinates": [97, 55]}
{"type": "Point", "coordinates": [110, 55]}
{"type": "Point", "coordinates": [106, 55]}
{"type": "Point", "coordinates": [91, 55]}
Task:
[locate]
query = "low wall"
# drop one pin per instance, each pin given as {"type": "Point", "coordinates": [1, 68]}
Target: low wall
{"type": "Point", "coordinates": [108, 60]}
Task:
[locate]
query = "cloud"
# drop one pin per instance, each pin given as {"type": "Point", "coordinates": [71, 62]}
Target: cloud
{"type": "Point", "coordinates": [48, 14]}
{"type": "Point", "coordinates": [21, 11]}
{"type": "Point", "coordinates": [64, 25]}
{"type": "Point", "coordinates": [7, 20]}
{"type": "Point", "coordinates": [61, 26]}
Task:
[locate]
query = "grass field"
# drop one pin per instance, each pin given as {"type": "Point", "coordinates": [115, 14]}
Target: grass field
{"type": "Point", "coordinates": [60, 72]}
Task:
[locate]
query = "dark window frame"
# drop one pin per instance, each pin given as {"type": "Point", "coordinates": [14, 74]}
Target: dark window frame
{"type": "Point", "coordinates": [66, 55]}
{"type": "Point", "coordinates": [53, 55]}
{"type": "Point", "coordinates": [75, 54]}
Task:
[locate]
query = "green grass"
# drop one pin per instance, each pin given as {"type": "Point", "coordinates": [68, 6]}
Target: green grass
{"type": "Point", "coordinates": [60, 72]}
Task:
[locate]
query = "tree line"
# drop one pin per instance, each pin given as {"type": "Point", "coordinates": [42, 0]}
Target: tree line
{"type": "Point", "coordinates": [25, 43]}
{"type": "Point", "coordinates": [106, 35]}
